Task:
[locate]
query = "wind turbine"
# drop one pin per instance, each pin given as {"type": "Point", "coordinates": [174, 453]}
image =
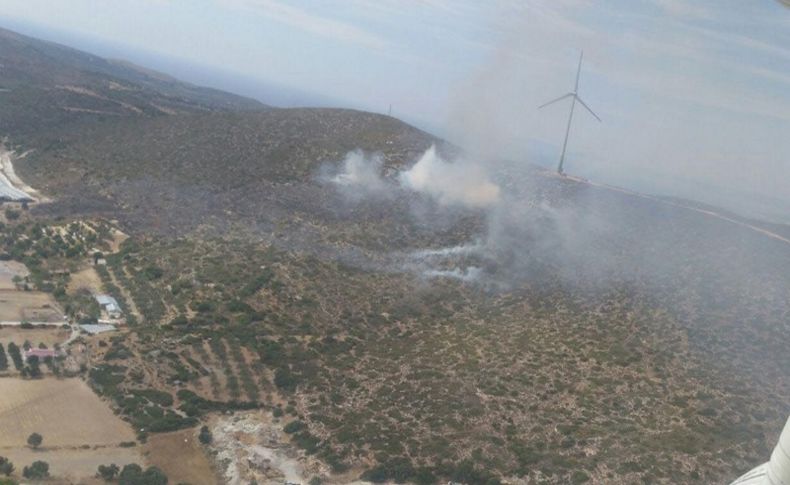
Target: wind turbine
{"type": "Point", "coordinates": [574, 97]}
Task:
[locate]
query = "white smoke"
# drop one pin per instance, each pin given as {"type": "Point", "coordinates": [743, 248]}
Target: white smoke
{"type": "Point", "coordinates": [446, 262]}
{"type": "Point", "coordinates": [362, 174]}
{"type": "Point", "coordinates": [453, 251]}
{"type": "Point", "coordinates": [470, 273]}
{"type": "Point", "coordinates": [461, 183]}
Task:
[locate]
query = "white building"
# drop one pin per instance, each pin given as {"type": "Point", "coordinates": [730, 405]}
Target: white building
{"type": "Point", "coordinates": [109, 305]}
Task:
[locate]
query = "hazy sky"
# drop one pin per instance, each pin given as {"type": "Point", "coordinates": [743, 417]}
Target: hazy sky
{"type": "Point", "coordinates": [695, 95]}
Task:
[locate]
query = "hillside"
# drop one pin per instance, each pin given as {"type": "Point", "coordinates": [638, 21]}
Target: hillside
{"type": "Point", "coordinates": [602, 311]}
{"type": "Point", "coordinates": [564, 333]}
{"type": "Point", "coordinates": [44, 85]}
{"type": "Point", "coordinates": [256, 169]}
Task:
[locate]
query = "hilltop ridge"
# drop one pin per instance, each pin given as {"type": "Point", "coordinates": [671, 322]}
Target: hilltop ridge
{"type": "Point", "coordinates": [44, 85]}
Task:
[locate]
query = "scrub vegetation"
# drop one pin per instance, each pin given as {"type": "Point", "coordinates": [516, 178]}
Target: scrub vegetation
{"type": "Point", "coordinates": [613, 338]}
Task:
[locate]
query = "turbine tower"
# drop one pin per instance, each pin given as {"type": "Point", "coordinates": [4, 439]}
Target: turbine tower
{"type": "Point", "coordinates": [574, 97]}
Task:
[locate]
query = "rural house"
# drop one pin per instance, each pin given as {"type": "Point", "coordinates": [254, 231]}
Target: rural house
{"type": "Point", "coordinates": [40, 353]}
{"type": "Point", "coordinates": [109, 305]}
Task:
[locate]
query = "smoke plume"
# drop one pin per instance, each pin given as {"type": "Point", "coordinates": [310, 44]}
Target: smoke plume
{"type": "Point", "coordinates": [458, 184]}
{"type": "Point", "coordinates": [461, 183]}
{"type": "Point", "coordinates": [361, 174]}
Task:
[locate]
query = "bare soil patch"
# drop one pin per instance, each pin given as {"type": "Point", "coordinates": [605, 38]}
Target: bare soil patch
{"type": "Point", "coordinates": [9, 269]}
{"type": "Point", "coordinates": [181, 456]}
{"type": "Point", "coordinates": [32, 306]}
{"type": "Point", "coordinates": [87, 279]}
{"type": "Point", "coordinates": [118, 237]}
{"type": "Point", "coordinates": [65, 412]}
{"type": "Point", "coordinates": [47, 336]}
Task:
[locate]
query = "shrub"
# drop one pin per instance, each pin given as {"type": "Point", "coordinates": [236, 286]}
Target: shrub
{"type": "Point", "coordinates": [133, 474]}
{"type": "Point", "coordinates": [108, 472]}
{"type": "Point", "coordinates": [154, 476]}
{"type": "Point", "coordinates": [285, 380]}
{"type": "Point", "coordinates": [130, 475]}
{"type": "Point", "coordinates": [205, 436]}
{"type": "Point", "coordinates": [6, 467]}
{"type": "Point", "coordinates": [307, 442]}
{"type": "Point", "coordinates": [294, 427]}
{"type": "Point", "coordinates": [153, 272]}
{"type": "Point", "coordinates": [396, 469]}
{"type": "Point", "coordinates": [35, 440]}
{"type": "Point", "coordinates": [155, 396]}
{"type": "Point", "coordinates": [194, 405]}
{"type": "Point", "coordinates": [579, 477]}
{"type": "Point", "coordinates": [36, 471]}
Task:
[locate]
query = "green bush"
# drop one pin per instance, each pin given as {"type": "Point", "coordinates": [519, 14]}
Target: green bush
{"type": "Point", "coordinates": [133, 474]}
{"type": "Point", "coordinates": [579, 477]}
{"type": "Point", "coordinates": [205, 436]}
{"type": "Point", "coordinates": [6, 467]}
{"type": "Point", "coordinates": [36, 471]}
{"type": "Point", "coordinates": [285, 380]}
{"type": "Point", "coordinates": [155, 396]}
{"type": "Point", "coordinates": [108, 472]}
{"type": "Point", "coordinates": [294, 427]}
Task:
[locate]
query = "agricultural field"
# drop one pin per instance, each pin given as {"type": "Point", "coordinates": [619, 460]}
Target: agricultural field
{"type": "Point", "coordinates": [79, 431]}
{"type": "Point", "coordinates": [48, 336]}
{"type": "Point", "coordinates": [30, 306]}
{"type": "Point", "coordinates": [74, 465]}
{"type": "Point", "coordinates": [181, 456]}
{"type": "Point", "coordinates": [84, 279]}
{"type": "Point", "coordinates": [65, 411]}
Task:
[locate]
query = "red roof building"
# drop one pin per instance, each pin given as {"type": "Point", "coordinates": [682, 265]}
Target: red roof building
{"type": "Point", "coordinates": [40, 353]}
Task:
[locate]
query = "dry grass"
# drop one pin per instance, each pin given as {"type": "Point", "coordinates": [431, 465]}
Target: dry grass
{"type": "Point", "coordinates": [34, 306]}
{"type": "Point", "coordinates": [87, 279]}
{"type": "Point", "coordinates": [118, 238]}
{"type": "Point", "coordinates": [181, 457]}
{"type": "Point", "coordinates": [74, 465]}
{"type": "Point", "coordinates": [80, 431]}
{"type": "Point", "coordinates": [64, 411]}
{"type": "Point", "coordinates": [47, 336]}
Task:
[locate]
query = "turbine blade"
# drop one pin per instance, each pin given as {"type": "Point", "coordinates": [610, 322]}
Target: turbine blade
{"type": "Point", "coordinates": [555, 100]}
{"type": "Point", "coordinates": [588, 109]}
